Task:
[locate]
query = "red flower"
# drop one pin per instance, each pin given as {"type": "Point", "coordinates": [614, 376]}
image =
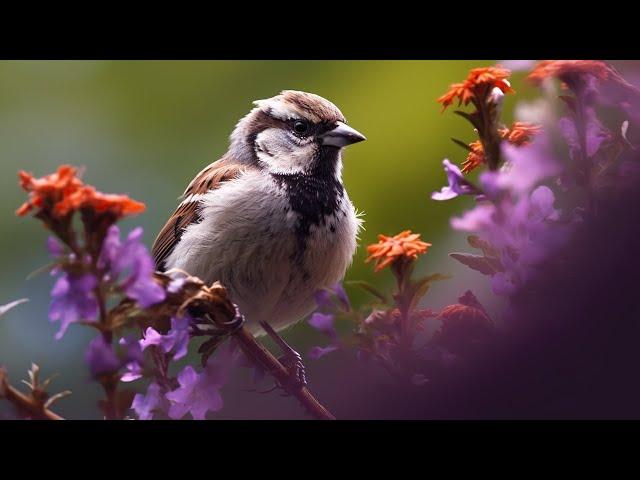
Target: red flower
{"type": "Point", "coordinates": [48, 190]}
{"type": "Point", "coordinates": [479, 82]}
{"type": "Point", "coordinates": [62, 193]}
{"type": "Point", "coordinates": [564, 69]}
{"type": "Point", "coordinates": [389, 249]}
{"type": "Point", "coordinates": [520, 133]}
{"type": "Point", "coordinates": [89, 197]}
{"type": "Point", "coordinates": [475, 158]}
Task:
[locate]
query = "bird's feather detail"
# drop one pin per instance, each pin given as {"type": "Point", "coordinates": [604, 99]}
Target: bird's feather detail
{"type": "Point", "coordinates": [187, 212]}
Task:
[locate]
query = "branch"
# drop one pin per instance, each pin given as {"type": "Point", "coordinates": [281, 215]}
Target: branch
{"type": "Point", "coordinates": [272, 365]}
{"type": "Point", "coordinates": [26, 404]}
{"type": "Point", "coordinates": [215, 302]}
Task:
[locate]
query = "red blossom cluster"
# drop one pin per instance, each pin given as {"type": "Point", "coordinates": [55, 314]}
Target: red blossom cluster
{"type": "Point", "coordinates": [389, 249]}
{"type": "Point", "coordinates": [519, 134]}
{"type": "Point", "coordinates": [62, 192]}
{"type": "Point", "coordinates": [477, 85]}
{"type": "Point", "coordinates": [563, 69]}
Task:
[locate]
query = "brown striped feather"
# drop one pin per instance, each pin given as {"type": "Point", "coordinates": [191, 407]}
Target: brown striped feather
{"type": "Point", "coordinates": [187, 213]}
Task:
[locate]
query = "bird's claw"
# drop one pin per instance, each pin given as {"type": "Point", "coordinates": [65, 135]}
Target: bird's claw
{"type": "Point", "coordinates": [235, 323]}
{"type": "Point", "coordinates": [294, 365]}
{"type": "Point", "coordinates": [219, 328]}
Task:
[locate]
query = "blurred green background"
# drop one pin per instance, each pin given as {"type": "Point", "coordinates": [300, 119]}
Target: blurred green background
{"type": "Point", "coordinates": [146, 127]}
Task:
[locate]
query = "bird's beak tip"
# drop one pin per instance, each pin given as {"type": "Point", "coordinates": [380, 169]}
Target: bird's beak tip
{"type": "Point", "coordinates": [342, 135]}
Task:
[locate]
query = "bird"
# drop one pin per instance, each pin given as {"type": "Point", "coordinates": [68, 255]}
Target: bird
{"type": "Point", "coordinates": [270, 220]}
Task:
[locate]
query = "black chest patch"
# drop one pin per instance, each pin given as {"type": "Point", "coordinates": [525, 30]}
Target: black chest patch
{"type": "Point", "coordinates": [313, 196]}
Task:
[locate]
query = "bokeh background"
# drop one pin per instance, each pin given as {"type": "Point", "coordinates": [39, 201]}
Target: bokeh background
{"type": "Point", "coordinates": [146, 127]}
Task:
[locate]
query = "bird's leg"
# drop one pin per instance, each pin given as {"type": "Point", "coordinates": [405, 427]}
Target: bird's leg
{"type": "Point", "coordinates": [291, 359]}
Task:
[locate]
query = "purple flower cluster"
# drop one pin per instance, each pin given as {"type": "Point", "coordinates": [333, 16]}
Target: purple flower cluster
{"type": "Point", "coordinates": [175, 342]}
{"type": "Point", "coordinates": [516, 217]}
{"type": "Point", "coordinates": [195, 393]}
{"type": "Point", "coordinates": [73, 299]}
{"type": "Point", "coordinates": [102, 358]}
{"type": "Point", "coordinates": [126, 265]}
{"type": "Point", "coordinates": [131, 261]}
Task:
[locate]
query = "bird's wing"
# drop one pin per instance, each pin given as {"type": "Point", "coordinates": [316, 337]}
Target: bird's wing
{"type": "Point", "coordinates": [187, 212]}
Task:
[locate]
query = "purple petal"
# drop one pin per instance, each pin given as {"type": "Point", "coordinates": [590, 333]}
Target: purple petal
{"type": "Point", "coordinates": [323, 299]}
{"type": "Point", "coordinates": [318, 352]}
{"type": "Point", "coordinates": [144, 405]}
{"type": "Point", "coordinates": [342, 295]}
{"type": "Point", "coordinates": [101, 358]}
{"type": "Point", "coordinates": [458, 185]}
{"type": "Point", "coordinates": [134, 372]}
{"type": "Point", "coordinates": [151, 337]}
{"type": "Point", "coordinates": [323, 323]}
{"type": "Point", "coordinates": [72, 300]}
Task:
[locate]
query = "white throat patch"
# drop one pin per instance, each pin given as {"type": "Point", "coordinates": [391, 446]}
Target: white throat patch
{"type": "Point", "coordinates": [281, 152]}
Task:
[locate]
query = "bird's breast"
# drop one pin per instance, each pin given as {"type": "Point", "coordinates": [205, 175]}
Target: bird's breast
{"type": "Point", "coordinates": [271, 251]}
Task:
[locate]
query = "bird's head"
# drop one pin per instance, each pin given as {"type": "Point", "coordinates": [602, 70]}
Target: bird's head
{"type": "Point", "coordinates": [293, 133]}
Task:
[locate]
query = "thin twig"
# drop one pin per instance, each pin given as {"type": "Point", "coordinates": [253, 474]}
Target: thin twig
{"type": "Point", "coordinates": [24, 403]}
{"type": "Point", "coordinates": [272, 365]}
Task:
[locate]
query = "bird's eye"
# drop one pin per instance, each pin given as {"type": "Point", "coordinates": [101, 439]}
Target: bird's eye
{"type": "Point", "coordinates": [300, 127]}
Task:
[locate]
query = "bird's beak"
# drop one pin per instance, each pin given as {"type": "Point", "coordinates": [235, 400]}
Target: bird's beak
{"type": "Point", "coordinates": [341, 136]}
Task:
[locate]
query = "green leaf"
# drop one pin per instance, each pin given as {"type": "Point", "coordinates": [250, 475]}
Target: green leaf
{"type": "Point", "coordinates": [462, 144]}
{"type": "Point", "coordinates": [486, 247]}
{"type": "Point", "coordinates": [479, 263]}
{"type": "Point", "coordinates": [472, 118]}
{"type": "Point", "coordinates": [366, 286]}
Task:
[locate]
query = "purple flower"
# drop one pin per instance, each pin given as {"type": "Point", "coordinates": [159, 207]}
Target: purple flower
{"type": "Point", "coordinates": [73, 299]}
{"type": "Point", "coordinates": [132, 259]}
{"type": "Point", "coordinates": [133, 372]}
{"type": "Point", "coordinates": [522, 230]}
{"type": "Point", "coordinates": [318, 352]}
{"type": "Point", "coordinates": [594, 134]}
{"type": "Point", "coordinates": [517, 217]}
{"type": "Point", "coordinates": [198, 393]}
{"type": "Point", "coordinates": [101, 358]}
{"type": "Point", "coordinates": [133, 358]}
{"type": "Point", "coordinates": [145, 405]}
{"type": "Point", "coordinates": [176, 340]}
{"type": "Point", "coordinates": [526, 166]}
{"type": "Point", "coordinates": [458, 185]}
{"type": "Point", "coordinates": [324, 298]}
{"type": "Point", "coordinates": [323, 323]}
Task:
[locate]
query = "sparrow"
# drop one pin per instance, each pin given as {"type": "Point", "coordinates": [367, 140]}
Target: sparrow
{"type": "Point", "coordinates": [271, 220]}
